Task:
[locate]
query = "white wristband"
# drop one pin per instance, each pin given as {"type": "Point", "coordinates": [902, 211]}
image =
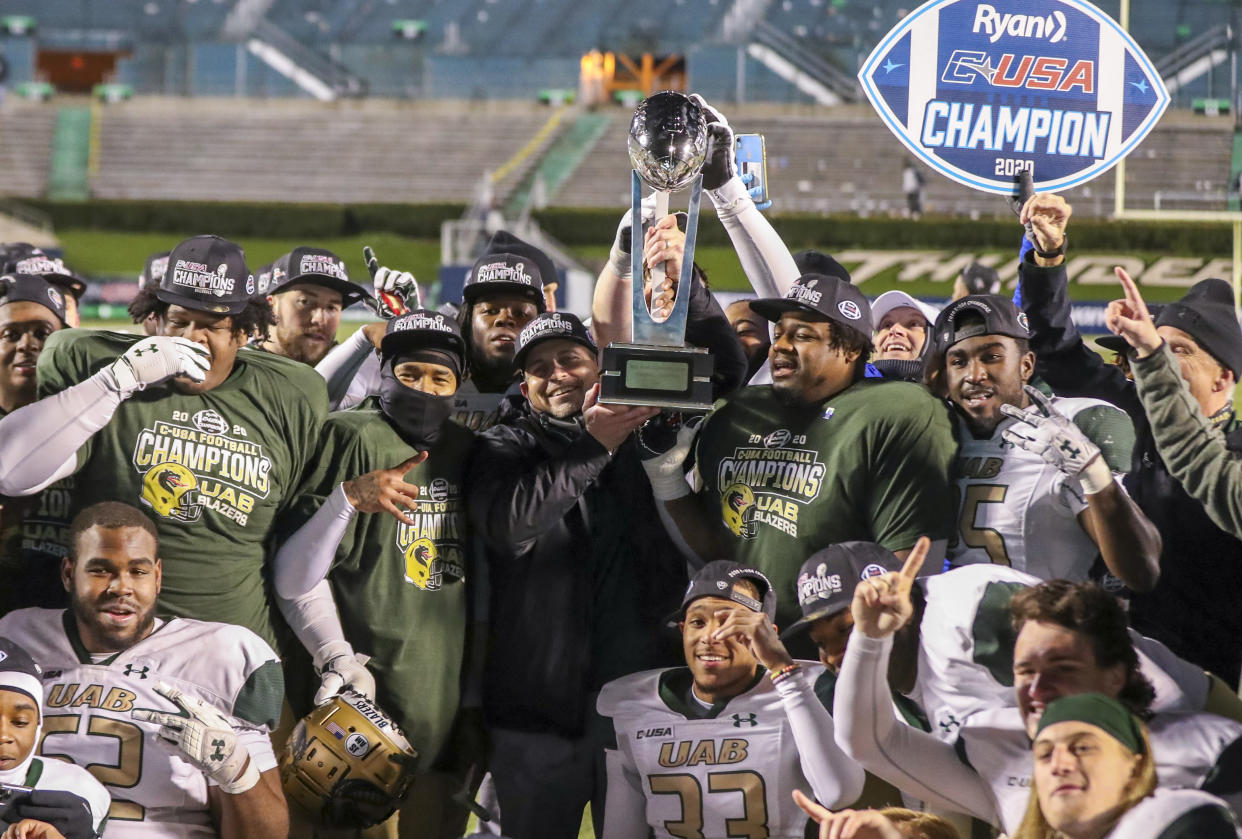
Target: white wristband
{"type": "Point", "coordinates": [668, 487]}
{"type": "Point", "coordinates": [244, 782]}
{"type": "Point", "coordinates": [731, 198]}
{"type": "Point", "coordinates": [1096, 477]}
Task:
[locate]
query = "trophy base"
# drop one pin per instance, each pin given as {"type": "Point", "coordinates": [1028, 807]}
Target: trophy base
{"type": "Point", "coordinates": [676, 378]}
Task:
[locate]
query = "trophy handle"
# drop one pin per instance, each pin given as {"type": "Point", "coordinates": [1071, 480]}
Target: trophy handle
{"type": "Point", "coordinates": [671, 331]}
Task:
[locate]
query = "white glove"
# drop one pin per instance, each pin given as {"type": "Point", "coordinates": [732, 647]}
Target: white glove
{"type": "Point", "coordinates": [1045, 431]}
{"type": "Point", "coordinates": [399, 284]}
{"type": "Point", "coordinates": [205, 738]}
{"type": "Point", "coordinates": [152, 360]}
{"type": "Point", "coordinates": [619, 256]}
{"type": "Point", "coordinates": [340, 668]}
{"type": "Point", "coordinates": [666, 471]}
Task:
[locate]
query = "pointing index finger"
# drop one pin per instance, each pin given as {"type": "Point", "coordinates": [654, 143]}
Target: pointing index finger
{"type": "Point", "coordinates": [371, 260]}
{"type": "Point", "coordinates": [1133, 296]}
{"type": "Point", "coordinates": [914, 562]}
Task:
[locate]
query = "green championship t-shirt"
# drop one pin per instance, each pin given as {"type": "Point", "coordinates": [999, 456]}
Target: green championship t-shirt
{"type": "Point", "coordinates": [400, 590]}
{"type": "Point", "coordinates": [211, 469]}
{"type": "Point", "coordinates": [871, 463]}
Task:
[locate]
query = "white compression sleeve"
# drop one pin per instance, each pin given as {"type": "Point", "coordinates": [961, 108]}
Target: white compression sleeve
{"type": "Point", "coordinates": [836, 779]}
{"type": "Point", "coordinates": [342, 365]}
{"type": "Point", "coordinates": [314, 620]}
{"type": "Point", "coordinates": [39, 442]}
{"type": "Point", "coordinates": [766, 261]}
{"type": "Point", "coordinates": [915, 762]}
{"type": "Point", "coordinates": [305, 559]}
{"type": "Point", "coordinates": [625, 817]}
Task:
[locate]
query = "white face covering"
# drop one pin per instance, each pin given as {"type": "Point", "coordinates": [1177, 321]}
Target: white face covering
{"type": "Point", "coordinates": [23, 683]}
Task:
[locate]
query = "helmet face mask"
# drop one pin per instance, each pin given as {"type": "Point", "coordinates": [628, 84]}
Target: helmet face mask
{"type": "Point", "coordinates": [347, 764]}
{"type": "Point", "coordinates": [668, 141]}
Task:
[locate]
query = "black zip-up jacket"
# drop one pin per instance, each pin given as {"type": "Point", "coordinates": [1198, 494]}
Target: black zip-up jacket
{"type": "Point", "coordinates": [582, 571]}
{"type": "Point", "coordinates": [1193, 608]}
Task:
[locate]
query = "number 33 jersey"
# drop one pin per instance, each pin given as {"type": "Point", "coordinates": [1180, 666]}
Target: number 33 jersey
{"type": "Point", "coordinates": [1014, 509]}
{"type": "Point", "coordinates": [89, 698]}
{"type": "Point", "coordinates": [728, 773]}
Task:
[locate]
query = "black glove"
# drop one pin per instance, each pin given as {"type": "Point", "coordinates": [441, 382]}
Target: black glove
{"type": "Point", "coordinates": [68, 813]}
{"type": "Point", "coordinates": [721, 165]}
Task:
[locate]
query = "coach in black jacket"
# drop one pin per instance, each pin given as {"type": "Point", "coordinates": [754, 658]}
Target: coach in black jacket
{"type": "Point", "coordinates": [1193, 608]}
{"type": "Point", "coordinates": [581, 574]}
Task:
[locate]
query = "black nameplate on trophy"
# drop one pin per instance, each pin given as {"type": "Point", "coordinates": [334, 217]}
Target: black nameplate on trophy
{"type": "Point", "coordinates": [677, 378]}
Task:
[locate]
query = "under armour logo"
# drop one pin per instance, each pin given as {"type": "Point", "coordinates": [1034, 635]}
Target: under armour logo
{"type": "Point", "coordinates": [949, 724]}
{"type": "Point", "coordinates": [139, 352]}
{"type": "Point", "coordinates": [739, 720]}
{"type": "Point", "coordinates": [140, 672]}
{"type": "Point", "coordinates": [1070, 448]}
{"type": "Point", "coordinates": [218, 754]}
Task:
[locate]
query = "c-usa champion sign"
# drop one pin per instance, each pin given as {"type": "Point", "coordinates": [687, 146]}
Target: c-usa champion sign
{"type": "Point", "coordinates": [983, 89]}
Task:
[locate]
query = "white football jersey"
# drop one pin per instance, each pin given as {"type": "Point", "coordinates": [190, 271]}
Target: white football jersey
{"type": "Point", "coordinates": [1014, 509]}
{"type": "Point", "coordinates": [1177, 814]}
{"type": "Point", "coordinates": [1186, 748]}
{"type": "Point", "coordinates": [730, 774]}
{"type": "Point", "coordinates": [966, 643]}
{"type": "Point", "coordinates": [88, 700]}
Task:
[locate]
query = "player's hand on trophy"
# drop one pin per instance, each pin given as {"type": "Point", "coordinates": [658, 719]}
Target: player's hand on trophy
{"type": "Point", "coordinates": [619, 255]}
{"type": "Point", "coordinates": [204, 737]}
{"type": "Point", "coordinates": [848, 824]}
{"type": "Point", "coordinates": [665, 246]}
{"type": "Point", "coordinates": [1045, 431]}
{"type": "Point", "coordinates": [721, 165]}
{"type": "Point", "coordinates": [385, 491]}
{"type": "Point", "coordinates": [756, 631]}
{"type": "Point", "coordinates": [153, 360]}
{"type": "Point", "coordinates": [1048, 214]}
{"type": "Point", "coordinates": [1129, 318]}
{"type": "Point", "coordinates": [341, 668]}
{"type": "Point", "coordinates": [396, 292]}
{"type": "Point", "coordinates": [611, 425]}
{"type": "Point", "coordinates": [882, 604]}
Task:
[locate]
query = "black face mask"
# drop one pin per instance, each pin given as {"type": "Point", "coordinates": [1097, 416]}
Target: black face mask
{"type": "Point", "coordinates": [418, 417]}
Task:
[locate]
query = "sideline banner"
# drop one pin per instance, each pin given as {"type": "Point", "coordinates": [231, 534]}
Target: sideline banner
{"type": "Point", "coordinates": [981, 90]}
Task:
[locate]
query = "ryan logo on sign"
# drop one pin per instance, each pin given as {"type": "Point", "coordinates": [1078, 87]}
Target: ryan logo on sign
{"type": "Point", "coordinates": [981, 91]}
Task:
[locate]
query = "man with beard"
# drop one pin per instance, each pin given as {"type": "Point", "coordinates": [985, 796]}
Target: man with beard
{"type": "Point", "coordinates": [381, 547]}
{"type": "Point", "coordinates": [1071, 638]}
{"type": "Point", "coordinates": [1038, 477]}
{"type": "Point", "coordinates": [172, 716]}
{"type": "Point", "coordinates": [31, 309]}
{"type": "Point", "coordinates": [581, 575]}
{"type": "Point", "coordinates": [309, 287]}
{"type": "Point", "coordinates": [212, 436]}
{"type": "Point", "coordinates": [820, 455]}
{"type": "Point", "coordinates": [502, 293]}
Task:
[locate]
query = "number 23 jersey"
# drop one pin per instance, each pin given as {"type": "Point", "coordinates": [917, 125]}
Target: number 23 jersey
{"type": "Point", "coordinates": [88, 704]}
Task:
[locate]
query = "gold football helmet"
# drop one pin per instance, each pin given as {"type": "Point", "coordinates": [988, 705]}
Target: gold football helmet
{"type": "Point", "coordinates": [347, 764]}
{"type": "Point", "coordinates": [164, 488]}
{"type": "Point", "coordinates": [736, 508]}
{"type": "Point", "coordinates": [422, 565]}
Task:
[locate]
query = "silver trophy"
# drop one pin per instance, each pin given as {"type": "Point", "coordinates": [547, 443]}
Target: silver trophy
{"type": "Point", "coordinates": [668, 146]}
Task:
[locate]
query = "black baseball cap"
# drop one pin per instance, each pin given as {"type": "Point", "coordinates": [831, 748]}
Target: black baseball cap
{"type": "Point", "coordinates": [315, 266]}
{"type": "Point", "coordinates": [25, 258]}
{"type": "Point", "coordinates": [985, 314]}
{"type": "Point", "coordinates": [505, 242]}
{"type": "Point", "coordinates": [716, 579]}
{"type": "Point", "coordinates": [552, 326]}
{"type": "Point", "coordinates": [422, 329]}
{"type": "Point", "coordinates": [263, 280]}
{"type": "Point", "coordinates": [33, 288]}
{"type": "Point", "coordinates": [1206, 313]}
{"type": "Point", "coordinates": [815, 262]}
{"type": "Point", "coordinates": [19, 672]}
{"type": "Point", "coordinates": [830, 297]}
{"type": "Point", "coordinates": [980, 279]}
{"type": "Point", "coordinates": [504, 272]}
{"type": "Point", "coordinates": [828, 578]}
{"type": "Point", "coordinates": [153, 270]}
{"type": "Point", "coordinates": [207, 274]}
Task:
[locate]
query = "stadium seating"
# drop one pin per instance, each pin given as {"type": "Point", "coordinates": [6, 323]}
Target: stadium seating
{"type": "Point", "coordinates": [26, 130]}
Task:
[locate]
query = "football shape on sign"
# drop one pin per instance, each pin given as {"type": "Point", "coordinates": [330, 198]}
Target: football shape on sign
{"type": "Point", "coordinates": [983, 89]}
